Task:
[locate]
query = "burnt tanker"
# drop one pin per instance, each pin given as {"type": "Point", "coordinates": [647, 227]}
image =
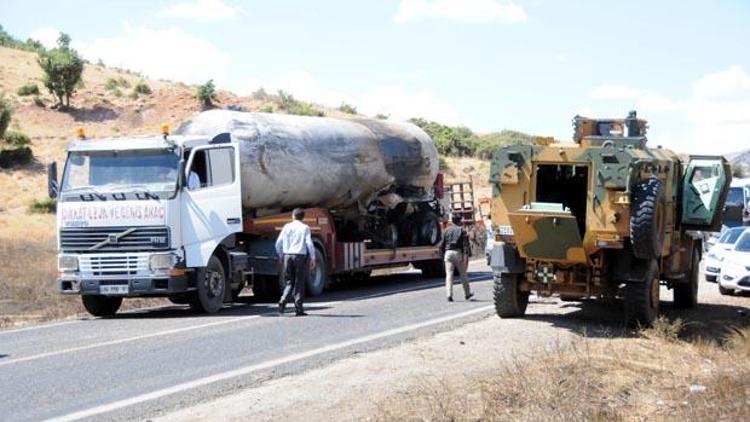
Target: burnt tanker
{"type": "Point", "coordinates": [378, 176]}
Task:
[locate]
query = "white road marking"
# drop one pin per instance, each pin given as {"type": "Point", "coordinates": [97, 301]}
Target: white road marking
{"type": "Point", "coordinates": [126, 340]}
{"type": "Point", "coordinates": [265, 365]}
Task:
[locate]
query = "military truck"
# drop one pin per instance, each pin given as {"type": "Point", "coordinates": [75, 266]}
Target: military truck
{"type": "Point", "coordinates": [602, 217]}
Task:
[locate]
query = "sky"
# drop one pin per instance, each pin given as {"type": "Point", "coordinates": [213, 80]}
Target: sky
{"type": "Point", "coordinates": [486, 64]}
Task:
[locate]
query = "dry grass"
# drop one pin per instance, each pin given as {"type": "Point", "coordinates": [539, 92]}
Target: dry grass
{"type": "Point", "coordinates": [28, 273]}
{"type": "Point", "coordinates": [656, 376]}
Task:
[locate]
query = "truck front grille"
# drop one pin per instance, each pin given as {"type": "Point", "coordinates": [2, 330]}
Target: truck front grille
{"type": "Point", "coordinates": [114, 239]}
{"type": "Point", "coordinates": [113, 265]}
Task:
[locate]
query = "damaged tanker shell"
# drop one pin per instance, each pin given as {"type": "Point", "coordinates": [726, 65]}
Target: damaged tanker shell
{"type": "Point", "coordinates": [290, 161]}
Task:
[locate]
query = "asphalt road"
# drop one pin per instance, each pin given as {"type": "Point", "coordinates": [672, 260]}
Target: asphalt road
{"type": "Point", "coordinates": [151, 362]}
{"type": "Point", "coordinates": [148, 362]}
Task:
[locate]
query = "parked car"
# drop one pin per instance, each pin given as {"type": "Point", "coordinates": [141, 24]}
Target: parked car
{"type": "Point", "coordinates": [718, 251]}
{"type": "Point", "coordinates": [735, 269]}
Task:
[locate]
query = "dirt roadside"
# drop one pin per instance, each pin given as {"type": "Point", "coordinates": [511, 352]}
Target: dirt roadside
{"type": "Point", "coordinates": [433, 377]}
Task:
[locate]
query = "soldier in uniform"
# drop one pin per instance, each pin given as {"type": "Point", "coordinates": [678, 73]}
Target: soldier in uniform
{"type": "Point", "coordinates": [456, 252]}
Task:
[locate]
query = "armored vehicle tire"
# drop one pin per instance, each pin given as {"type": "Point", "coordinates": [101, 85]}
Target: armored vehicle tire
{"type": "Point", "coordinates": [510, 302]}
{"type": "Point", "coordinates": [101, 306]}
{"type": "Point", "coordinates": [686, 293]}
{"type": "Point", "coordinates": [318, 279]}
{"type": "Point", "coordinates": [646, 219]}
{"type": "Point", "coordinates": [429, 230]}
{"type": "Point", "coordinates": [642, 298]}
{"type": "Point", "coordinates": [210, 284]}
{"type": "Point", "coordinates": [267, 288]}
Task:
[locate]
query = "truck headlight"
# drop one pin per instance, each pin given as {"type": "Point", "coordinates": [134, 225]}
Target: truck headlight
{"type": "Point", "coordinates": [162, 261]}
{"type": "Point", "coordinates": [67, 263]}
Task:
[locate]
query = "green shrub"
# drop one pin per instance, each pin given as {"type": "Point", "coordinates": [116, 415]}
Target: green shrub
{"type": "Point", "coordinates": [266, 109]}
{"type": "Point", "coordinates": [15, 156]}
{"type": "Point", "coordinates": [260, 94]}
{"type": "Point", "coordinates": [133, 95]}
{"type": "Point", "coordinates": [111, 84]}
{"type": "Point", "coordinates": [289, 104]}
{"type": "Point", "coordinates": [382, 116]}
{"type": "Point", "coordinates": [123, 83]}
{"type": "Point", "coordinates": [15, 139]}
{"type": "Point", "coordinates": [347, 108]}
{"type": "Point", "coordinates": [206, 94]}
{"type": "Point", "coordinates": [38, 101]}
{"type": "Point", "coordinates": [116, 92]}
{"type": "Point", "coordinates": [44, 206]}
{"type": "Point", "coordinates": [5, 113]}
{"type": "Point", "coordinates": [461, 141]}
{"type": "Point", "coordinates": [28, 89]}
{"type": "Point", "coordinates": [142, 88]}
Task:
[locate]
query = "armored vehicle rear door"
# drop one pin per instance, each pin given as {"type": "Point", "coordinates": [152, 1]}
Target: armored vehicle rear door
{"type": "Point", "coordinates": [547, 232]}
{"type": "Point", "coordinates": [704, 190]}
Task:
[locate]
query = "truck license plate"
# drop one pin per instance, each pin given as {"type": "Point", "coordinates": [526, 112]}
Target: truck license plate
{"type": "Point", "coordinates": [114, 289]}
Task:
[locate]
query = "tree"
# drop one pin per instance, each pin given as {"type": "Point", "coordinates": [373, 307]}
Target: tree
{"type": "Point", "coordinates": [62, 68]}
{"type": "Point", "coordinates": [206, 94]}
{"type": "Point", "coordinates": [5, 113]}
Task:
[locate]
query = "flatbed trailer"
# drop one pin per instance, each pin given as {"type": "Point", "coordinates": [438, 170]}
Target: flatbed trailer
{"type": "Point", "coordinates": [335, 259]}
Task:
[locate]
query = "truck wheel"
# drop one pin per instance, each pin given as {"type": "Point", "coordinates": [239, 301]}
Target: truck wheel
{"type": "Point", "coordinates": [642, 298]}
{"type": "Point", "coordinates": [208, 297]}
{"type": "Point", "coordinates": [318, 279]}
{"type": "Point", "coordinates": [101, 306]}
{"type": "Point", "coordinates": [686, 293]}
{"type": "Point", "coordinates": [647, 219]}
{"type": "Point", "coordinates": [429, 229]}
{"type": "Point", "coordinates": [510, 302]}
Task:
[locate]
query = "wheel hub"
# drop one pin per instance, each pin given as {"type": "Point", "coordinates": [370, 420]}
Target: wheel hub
{"type": "Point", "coordinates": [214, 286]}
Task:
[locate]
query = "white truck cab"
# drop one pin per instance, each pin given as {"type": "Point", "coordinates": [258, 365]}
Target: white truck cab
{"type": "Point", "coordinates": [130, 224]}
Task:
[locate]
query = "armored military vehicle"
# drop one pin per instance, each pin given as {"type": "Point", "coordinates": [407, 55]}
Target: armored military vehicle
{"type": "Point", "coordinates": [603, 217]}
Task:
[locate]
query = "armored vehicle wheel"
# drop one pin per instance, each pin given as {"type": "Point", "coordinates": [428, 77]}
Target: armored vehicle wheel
{"type": "Point", "coordinates": [647, 219]}
{"type": "Point", "coordinates": [642, 298]}
{"type": "Point", "coordinates": [318, 279]}
{"type": "Point", "coordinates": [686, 293]}
{"type": "Point", "coordinates": [210, 283]}
{"type": "Point", "coordinates": [510, 302]}
{"type": "Point", "coordinates": [101, 306]}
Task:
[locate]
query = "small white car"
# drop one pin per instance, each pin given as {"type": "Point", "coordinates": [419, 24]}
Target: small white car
{"type": "Point", "coordinates": [735, 269]}
{"type": "Point", "coordinates": [718, 251]}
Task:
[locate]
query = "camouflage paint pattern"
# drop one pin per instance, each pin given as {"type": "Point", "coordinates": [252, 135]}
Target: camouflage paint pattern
{"type": "Point", "coordinates": [615, 163]}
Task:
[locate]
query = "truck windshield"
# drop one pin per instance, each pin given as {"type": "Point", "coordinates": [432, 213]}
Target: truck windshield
{"type": "Point", "coordinates": [121, 171]}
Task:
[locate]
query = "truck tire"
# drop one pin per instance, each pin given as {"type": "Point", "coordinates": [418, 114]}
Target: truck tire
{"type": "Point", "coordinates": [725, 292]}
{"type": "Point", "coordinates": [646, 219]}
{"type": "Point", "coordinates": [686, 292]}
{"type": "Point", "coordinates": [211, 283]}
{"type": "Point", "coordinates": [429, 229]}
{"type": "Point", "coordinates": [642, 298]}
{"type": "Point", "coordinates": [318, 280]}
{"type": "Point", "coordinates": [510, 302]}
{"type": "Point", "coordinates": [101, 306]}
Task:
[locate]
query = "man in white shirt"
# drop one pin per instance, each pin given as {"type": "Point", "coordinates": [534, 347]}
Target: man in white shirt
{"type": "Point", "coordinates": [296, 252]}
{"type": "Point", "coordinates": [194, 181]}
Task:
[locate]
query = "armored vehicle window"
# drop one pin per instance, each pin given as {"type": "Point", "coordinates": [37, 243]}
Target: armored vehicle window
{"type": "Point", "coordinates": [566, 185]}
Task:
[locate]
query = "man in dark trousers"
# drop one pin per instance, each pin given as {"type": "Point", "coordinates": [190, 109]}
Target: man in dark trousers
{"type": "Point", "coordinates": [456, 250]}
{"type": "Point", "coordinates": [296, 252]}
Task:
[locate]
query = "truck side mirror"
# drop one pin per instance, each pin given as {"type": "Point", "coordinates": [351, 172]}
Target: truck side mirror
{"type": "Point", "coordinates": [53, 187]}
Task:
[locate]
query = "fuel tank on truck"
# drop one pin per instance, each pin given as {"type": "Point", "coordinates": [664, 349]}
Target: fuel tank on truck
{"type": "Point", "coordinates": [298, 161]}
